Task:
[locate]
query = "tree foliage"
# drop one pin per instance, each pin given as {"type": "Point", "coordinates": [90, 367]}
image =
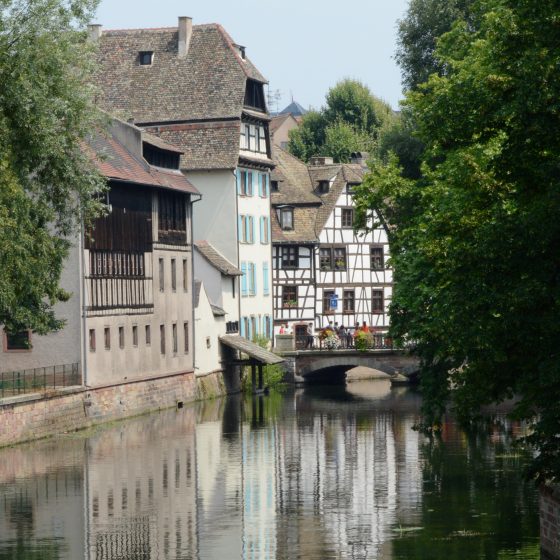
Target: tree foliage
{"type": "Point", "coordinates": [418, 32]}
{"type": "Point", "coordinates": [48, 183]}
{"type": "Point", "coordinates": [475, 239]}
{"type": "Point", "coordinates": [350, 121]}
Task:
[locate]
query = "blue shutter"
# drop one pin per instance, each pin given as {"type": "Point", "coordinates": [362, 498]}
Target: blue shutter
{"type": "Point", "coordinates": [269, 231]}
{"type": "Point", "coordinates": [261, 224]}
{"type": "Point", "coordinates": [254, 228]}
{"type": "Point", "coordinates": [244, 279]}
{"type": "Point", "coordinates": [265, 279]}
{"type": "Point", "coordinates": [240, 228]}
{"type": "Point", "coordinates": [259, 181]}
{"type": "Point", "coordinates": [267, 186]}
{"type": "Point", "coordinates": [238, 180]}
{"type": "Point", "coordinates": [255, 182]}
{"type": "Point", "coordinates": [254, 277]}
{"type": "Point", "coordinates": [242, 326]}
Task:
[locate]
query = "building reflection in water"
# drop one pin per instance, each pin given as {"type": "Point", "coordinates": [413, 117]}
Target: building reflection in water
{"type": "Point", "coordinates": [308, 474]}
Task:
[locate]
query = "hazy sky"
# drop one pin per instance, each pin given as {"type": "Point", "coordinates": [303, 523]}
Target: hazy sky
{"type": "Point", "coordinates": [303, 47]}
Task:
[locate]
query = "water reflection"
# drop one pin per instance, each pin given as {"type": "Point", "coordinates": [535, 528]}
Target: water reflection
{"type": "Point", "coordinates": [316, 473]}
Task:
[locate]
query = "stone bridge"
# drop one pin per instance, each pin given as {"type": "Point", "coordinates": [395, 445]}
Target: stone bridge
{"type": "Point", "coordinates": [311, 365]}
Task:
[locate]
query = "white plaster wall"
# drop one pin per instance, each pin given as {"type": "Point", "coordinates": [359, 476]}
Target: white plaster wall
{"type": "Point", "coordinates": [215, 216]}
{"type": "Point", "coordinates": [62, 347]}
{"type": "Point", "coordinates": [120, 364]}
{"type": "Point", "coordinates": [258, 305]}
{"type": "Point", "coordinates": [211, 277]}
{"type": "Point", "coordinates": [208, 329]}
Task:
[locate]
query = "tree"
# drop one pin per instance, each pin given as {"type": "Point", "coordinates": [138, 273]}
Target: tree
{"type": "Point", "coordinates": [48, 183]}
{"type": "Point", "coordinates": [475, 239]}
{"type": "Point", "coordinates": [350, 121]}
{"type": "Point", "coordinates": [424, 22]}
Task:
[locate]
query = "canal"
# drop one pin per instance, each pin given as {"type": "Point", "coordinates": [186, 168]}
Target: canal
{"type": "Point", "coordinates": [316, 473]}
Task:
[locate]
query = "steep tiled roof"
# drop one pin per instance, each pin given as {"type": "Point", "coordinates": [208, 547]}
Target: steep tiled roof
{"type": "Point", "coordinates": [298, 189]}
{"type": "Point", "coordinates": [208, 83]}
{"type": "Point", "coordinates": [118, 161]}
{"type": "Point", "coordinates": [216, 259]}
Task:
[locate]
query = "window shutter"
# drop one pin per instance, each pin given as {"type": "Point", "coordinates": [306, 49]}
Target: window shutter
{"type": "Point", "coordinates": [244, 279]}
{"type": "Point", "coordinates": [269, 231]}
{"type": "Point", "coordinates": [259, 182]}
{"type": "Point", "coordinates": [255, 181]}
{"type": "Point", "coordinates": [254, 276]}
{"type": "Point", "coordinates": [253, 230]}
{"type": "Point", "coordinates": [261, 224]}
{"type": "Point", "coordinates": [265, 278]}
{"type": "Point", "coordinates": [242, 326]}
{"type": "Point", "coordinates": [240, 228]}
{"type": "Point", "coordinates": [238, 174]}
{"type": "Point", "coordinates": [267, 186]}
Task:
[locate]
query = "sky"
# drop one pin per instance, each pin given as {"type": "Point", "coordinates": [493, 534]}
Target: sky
{"type": "Point", "coordinates": [302, 47]}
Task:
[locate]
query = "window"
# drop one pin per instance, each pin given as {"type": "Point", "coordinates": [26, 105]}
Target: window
{"type": "Point", "coordinates": [377, 303]}
{"type": "Point", "coordinates": [161, 275]}
{"type": "Point", "coordinates": [107, 338]}
{"type": "Point", "coordinates": [289, 257]}
{"type": "Point", "coordinates": [146, 58]}
{"type": "Point", "coordinates": [249, 229]}
{"type": "Point", "coordinates": [289, 296]}
{"type": "Point", "coordinates": [162, 339]}
{"type": "Point", "coordinates": [286, 218]}
{"type": "Point", "coordinates": [148, 332]}
{"type": "Point", "coordinates": [17, 341]}
{"type": "Point", "coordinates": [174, 331]}
{"type": "Point", "coordinates": [327, 294]}
{"type": "Point", "coordinates": [134, 335]}
{"type": "Point", "coordinates": [186, 336]}
{"type": "Point", "coordinates": [253, 146]}
{"type": "Point", "coordinates": [348, 301]}
{"type": "Point", "coordinates": [377, 258]}
{"type": "Point", "coordinates": [266, 289]}
{"type": "Point", "coordinates": [185, 275]}
{"type": "Point", "coordinates": [252, 278]}
{"type": "Point", "coordinates": [347, 217]}
{"type": "Point", "coordinates": [262, 140]}
{"type": "Point", "coordinates": [274, 186]}
{"type": "Point", "coordinates": [174, 275]}
{"type": "Point", "coordinates": [121, 337]}
{"type": "Point", "coordinates": [254, 95]}
{"type": "Point", "coordinates": [92, 344]}
{"type": "Point", "coordinates": [339, 254]}
{"type": "Point", "coordinates": [172, 218]}
{"type": "Point", "coordinates": [323, 187]}
{"type": "Point", "coordinates": [243, 182]}
{"type": "Point", "coordinates": [243, 138]}
{"type": "Point", "coordinates": [325, 259]}
{"type": "Point", "coordinates": [263, 185]}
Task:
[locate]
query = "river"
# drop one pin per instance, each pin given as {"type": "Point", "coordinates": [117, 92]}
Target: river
{"type": "Point", "coordinates": [315, 473]}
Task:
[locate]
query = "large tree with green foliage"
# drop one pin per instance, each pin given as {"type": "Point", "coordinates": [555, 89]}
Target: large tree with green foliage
{"type": "Point", "coordinates": [47, 184]}
{"type": "Point", "coordinates": [475, 239]}
{"type": "Point", "coordinates": [349, 122]}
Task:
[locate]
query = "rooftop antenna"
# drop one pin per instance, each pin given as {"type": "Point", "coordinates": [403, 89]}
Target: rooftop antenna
{"type": "Point", "coordinates": [273, 98]}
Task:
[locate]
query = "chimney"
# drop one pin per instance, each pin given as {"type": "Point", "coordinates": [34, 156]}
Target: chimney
{"type": "Point", "coordinates": [321, 160]}
{"type": "Point", "coordinates": [185, 35]}
{"type": "Point", "coordinates": [94, 32]}
{"type": "Point", "coordinates": [359, 158]}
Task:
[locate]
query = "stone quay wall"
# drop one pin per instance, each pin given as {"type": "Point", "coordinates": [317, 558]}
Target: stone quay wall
{"type": "Point", "coordinates": [550, 521]}
{"type": "Point", "coordinates": [30, 417]}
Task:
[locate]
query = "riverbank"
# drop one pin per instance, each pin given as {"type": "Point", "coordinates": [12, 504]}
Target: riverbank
{"type": "Point", "coordinates": [36, 416]}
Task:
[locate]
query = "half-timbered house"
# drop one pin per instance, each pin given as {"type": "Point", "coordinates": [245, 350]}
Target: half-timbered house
{"type": "Point", "coordinates": [194, 87]}
{"type": "Point", "coordinates": [323, 270]}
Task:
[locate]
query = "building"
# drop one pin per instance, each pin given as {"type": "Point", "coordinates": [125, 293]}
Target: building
{"type": "Point", "coordinates": [130, 315]}
{"type": "Point", "coordinates": [194, 87]}
{"type": "Point", "coordinates": [280, 127]}
{"type": "Point", "coordinates": [322, 270]}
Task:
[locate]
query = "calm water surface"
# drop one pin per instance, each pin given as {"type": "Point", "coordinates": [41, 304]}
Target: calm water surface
{"type": "Point", "coordinates": [312, 474]}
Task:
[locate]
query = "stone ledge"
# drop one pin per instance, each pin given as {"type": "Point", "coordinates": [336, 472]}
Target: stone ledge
{"type": "Point", "coordinates": [45, 395]}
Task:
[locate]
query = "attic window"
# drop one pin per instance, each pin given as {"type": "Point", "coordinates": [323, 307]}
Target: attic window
{"type": "Point", "coordinates": [254, 95]}
{"type": "Point", "coordinates": [324, 187]}
{"type": "Point", "coordinates": [286, 218]}
{"type": "Point", "coordinates": [146, 58]}
{"type": "Point", "coordinates": [274, 186]}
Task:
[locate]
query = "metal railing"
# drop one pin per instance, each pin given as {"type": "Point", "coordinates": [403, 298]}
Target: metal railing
{"type": "Point", "coordinates": [38, 380]}
{"type": "Point", "coordinates": [347, 341]}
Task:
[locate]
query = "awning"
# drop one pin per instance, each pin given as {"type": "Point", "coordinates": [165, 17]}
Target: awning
{"type": "Point", "coordinates": [251, 349]}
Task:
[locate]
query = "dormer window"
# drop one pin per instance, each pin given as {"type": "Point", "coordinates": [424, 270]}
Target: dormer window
{"type": "Point", "coordinates": [323, 187]}
{"type": "Point", "coordinates": [254, 95]}
{"type": "Point", "coordinates": [146, 58]}
{"type": "Point", "coordinates": [286, 218]}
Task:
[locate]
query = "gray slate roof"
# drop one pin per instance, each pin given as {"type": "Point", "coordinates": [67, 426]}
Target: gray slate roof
{"type": "Point", "coordinates": [295, 109]}
{"type": "Point", "coordinates": [216, 259]}
{"type": "Point", "coordinates": [251, 349]}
